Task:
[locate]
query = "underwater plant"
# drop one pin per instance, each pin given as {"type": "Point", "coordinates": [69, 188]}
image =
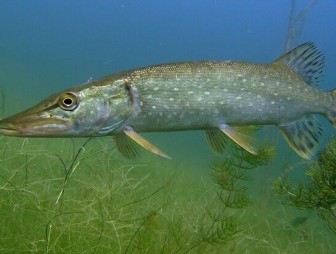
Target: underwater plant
{"type": "Point", "coordinates": [318, 192]}
{"type": "Point", "coordinates": [221, 224]}
{"type": "Point", "coordinates": [296, 21]}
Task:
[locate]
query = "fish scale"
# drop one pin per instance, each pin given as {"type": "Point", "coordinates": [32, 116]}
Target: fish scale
{"type": "Point", "coordinates": [225, 88]}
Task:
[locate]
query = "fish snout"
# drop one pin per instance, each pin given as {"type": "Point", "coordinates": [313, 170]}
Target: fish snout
{"type": "Point", "coordinates": [33, 125]}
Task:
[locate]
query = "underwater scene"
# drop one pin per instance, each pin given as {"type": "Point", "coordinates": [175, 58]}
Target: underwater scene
{"type": "Point", "coordinates": [207, 192]}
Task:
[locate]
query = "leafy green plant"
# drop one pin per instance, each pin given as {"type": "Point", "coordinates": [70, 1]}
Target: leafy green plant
{"type": "Point", "coordinates": [318, 192]}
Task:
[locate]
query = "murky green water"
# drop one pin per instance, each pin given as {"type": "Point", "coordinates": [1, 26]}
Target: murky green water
{"type": "Point", "coordinates": [58, 197]}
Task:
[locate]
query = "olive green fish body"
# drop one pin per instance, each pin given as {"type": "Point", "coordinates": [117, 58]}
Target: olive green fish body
{"type": "Point", "coordinates": [203, 95]}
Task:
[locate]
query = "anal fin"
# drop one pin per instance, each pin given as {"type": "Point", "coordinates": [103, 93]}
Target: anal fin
{"type": "Point", "coordinates": [303, 136]}
{"type": "Point", "coordinates": [128, 130]}
{"type": "Point", "coordinates": [241, 136]}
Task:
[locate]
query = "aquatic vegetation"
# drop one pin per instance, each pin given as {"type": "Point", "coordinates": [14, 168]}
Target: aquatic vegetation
{"type": "Point", "coordinates": [296, 21]}
{"type": "Point", "coordinates": [79, 196]}
{"type": "Point", "coordinates": [318, 192]}
{"type": "Point", "coordinates": [229, 174]}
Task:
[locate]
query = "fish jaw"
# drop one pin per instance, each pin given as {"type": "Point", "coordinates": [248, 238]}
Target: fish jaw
{"type": "Point", "coordinates": [35, 122]}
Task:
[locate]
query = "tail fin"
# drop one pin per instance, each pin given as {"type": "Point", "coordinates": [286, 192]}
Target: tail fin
{"type": "Point", "coordinates": [331, 114]}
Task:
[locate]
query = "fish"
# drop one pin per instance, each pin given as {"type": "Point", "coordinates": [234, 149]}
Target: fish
{"type": "Point", "coordinates": [226, 99]}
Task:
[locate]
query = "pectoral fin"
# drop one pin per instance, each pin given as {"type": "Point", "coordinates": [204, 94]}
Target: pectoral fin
{"type": "Point", "coordinates": [128, 130]}
{"type": "Point", "coordinates": [241, 136]}
{"type": "Point", "coordinates": [303, 136]}
{"type": "Point", "coordinates": [126, 146]}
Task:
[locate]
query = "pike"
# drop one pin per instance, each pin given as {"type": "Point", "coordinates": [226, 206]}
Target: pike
{"type": "Point", "coordinates": [222, 98]}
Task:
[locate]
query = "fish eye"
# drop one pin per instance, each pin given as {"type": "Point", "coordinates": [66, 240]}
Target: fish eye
{"type": "Point", "coordinates": [68, 101]}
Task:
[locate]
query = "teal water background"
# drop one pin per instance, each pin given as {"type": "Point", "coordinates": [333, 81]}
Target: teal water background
{"type": "Point", "coordinates": [48, 46]}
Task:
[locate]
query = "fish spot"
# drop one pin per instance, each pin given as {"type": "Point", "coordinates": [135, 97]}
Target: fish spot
{"type": "Point", "coordinates": [258, 96]}
{"type": "Point", "coordinates": [171, 99]}
{"type": "Point", "coordinates": [206, 93]}
{"type": "Point", "coordinates": [310, 145]}
{"type": "Point", "coordinates": [176, 89]}
{"type": "Point", "coordinates": [199, 99]}
{"type": "Point", "coordinates": [154, 107]}
{"type": "Point", "coordinates": [272, 102]}
{"type": "Point", "coordinates": [244, 80]}
{"type": "Point", "coordinates": [262, 84]}
{"type": "Point", "coordinates": [190, 92]}
{"type": "Point", "coordinates": [156, 88]}
{"type": "Point", "coordinates": [275, 94]}
{"type": "Point", "coordinates": [238, 97]}
{"type": "Point", "coordinates": [289, 98]}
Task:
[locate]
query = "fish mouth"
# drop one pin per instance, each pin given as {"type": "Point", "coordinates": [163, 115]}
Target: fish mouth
{"type": "Point", "coordinates": [33, 125]}
{"type": "Point", "coordinates": [8, 131]}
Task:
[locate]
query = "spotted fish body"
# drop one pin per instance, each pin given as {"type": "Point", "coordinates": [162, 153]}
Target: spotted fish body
{"type": "Point", "coordinates": [221, 98]}
{"type": "Point", "coordinates": [204, 95]}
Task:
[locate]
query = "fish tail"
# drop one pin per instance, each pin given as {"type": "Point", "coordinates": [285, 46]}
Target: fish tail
{"type": "Point", "coordinates": [331, 114]}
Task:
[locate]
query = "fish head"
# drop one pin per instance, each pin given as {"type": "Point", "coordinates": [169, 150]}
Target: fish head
{"type": "Point", "coordinates": [93, 110]}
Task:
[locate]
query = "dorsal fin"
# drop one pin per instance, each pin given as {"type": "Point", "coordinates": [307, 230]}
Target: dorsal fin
{"type": "Point", "coordinates": [306, 60]}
